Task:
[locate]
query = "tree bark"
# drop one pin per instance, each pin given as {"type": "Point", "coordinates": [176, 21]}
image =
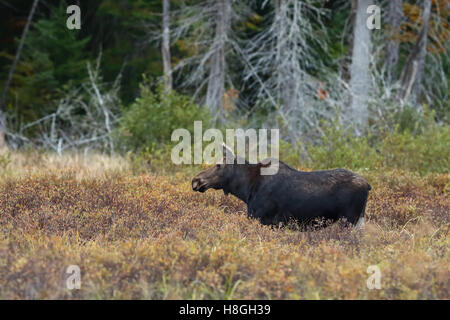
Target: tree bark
{"type": "Point", "coordinates": [287, 77]}
{"type": "Point", "coordinates": [395, 16]}
{"type": "Point", "coordinates": [10, 75]}
{"type": "Point", "coordinates": [216, 81]}
{"type": "Point", "coordinates": [412, 73]}
{"type": "Point", "coordinates": [165, 48]}
{"type": "Point", "coordinates": [359, 70]}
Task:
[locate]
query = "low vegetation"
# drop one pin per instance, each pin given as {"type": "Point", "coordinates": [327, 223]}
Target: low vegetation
{"type": "Point", "coordinates": [139, 234]}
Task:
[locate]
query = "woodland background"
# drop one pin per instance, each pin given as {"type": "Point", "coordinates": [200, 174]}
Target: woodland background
{"type": "Point", "coordinates": [139, 69]}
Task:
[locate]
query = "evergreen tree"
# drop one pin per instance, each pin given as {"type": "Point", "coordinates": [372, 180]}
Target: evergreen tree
{"type": "Point", "coordinates": [54, 59]}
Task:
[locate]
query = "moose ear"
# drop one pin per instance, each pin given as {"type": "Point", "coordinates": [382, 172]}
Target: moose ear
{"type": "Point", "coordinates": [228, 154]}
{"type": "Point", "coordinates": [265, 163]}
{"type": "Point", "coordinates": [269, 167]}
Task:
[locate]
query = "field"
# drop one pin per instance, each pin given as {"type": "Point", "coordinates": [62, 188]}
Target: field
{"type": "Point", "coordinates": [149, 236]}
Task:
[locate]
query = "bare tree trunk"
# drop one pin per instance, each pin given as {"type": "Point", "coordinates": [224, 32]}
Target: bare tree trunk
{"type": "Point", "coordinates": [360, 80]}
{"type": "Point", "coordinates": [286, 73]}
{"type": "Point", "coordinates": [351, 26]}
{"type": "Point", "coordinates": [411, 77]}
{"type": "Point", "coordinates": [11, 72]}
{"type": "Point", "coordinates": [2, 129]}
{"type": "Point", "coordinates": [395, 15]}
{"type": "Point", "coordinates": [289, 79]}
{"type": "Point", "coordinates": [216, 81]}
{"type": "Point", "coordinates": [165, 48]}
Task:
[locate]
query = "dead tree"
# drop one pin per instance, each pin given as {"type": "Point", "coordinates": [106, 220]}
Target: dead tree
{"type": "Point", "coordinates": [84, 118]}
{"type": "Point", "coordinates": [165, 47]}
{"type": "Point", "coordinates": [216, 79]}
{"type": "Point", "coordinates": [395, 15]}
{"type": "Point", "coordinates": [11, 72]}
{"type": "Point", "coordinates": [277, 63]}
{"type": "Point", "coordinates": [206, 27]}
{"type": "Point", "coordinates": [411, 76]}
{"type": "Point", "coordinates": [359, 70]}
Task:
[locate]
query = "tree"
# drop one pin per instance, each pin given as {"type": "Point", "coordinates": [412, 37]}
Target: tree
{"type": "Point", "coordinates": [165, 47]}
{"type": "Point", "coordinates": [359, 70]}
{"type": "Point", "coordinates": [281, 60]}
{"type": "Point", "coordinates": [205, 31]}
{"type": "Point", "coordinates": [11, 72]}
{"type": "Point", "coordinates": [54, 59]}
{"type": "Point", "coordinates": [216, 78]}
{"type": "Point", "coordinates": [84, 117]}
{"type": "Point", "coordinates": [395, 14]}
{"type": "Point", "coordinates": [411, 77]}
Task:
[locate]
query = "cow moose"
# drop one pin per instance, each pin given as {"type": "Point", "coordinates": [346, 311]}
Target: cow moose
{"type": "Point", "coordinates": [304, 197]}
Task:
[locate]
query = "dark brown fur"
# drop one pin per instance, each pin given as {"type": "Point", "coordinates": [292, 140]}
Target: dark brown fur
{"type": "Point", "coordinates": [289, 194]}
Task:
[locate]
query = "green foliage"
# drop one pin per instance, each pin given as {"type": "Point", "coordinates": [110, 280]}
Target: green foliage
{"type": "Point", "coordinates": [62, 47]}
{"type": "Point", "coordinates": [426, 151]}
{"type": "Point", "coordinates": [152, 159]}
{"type": "Point", "coordinates": [409, 118]}
{"type": "Point", "coordinates": [153, 117]}
{"type": "Point", "coordinates": [53, 58]}
{"type": "Point", "coordinates": [131, 55]}
{"type": "Point", "coordinates": [340, 149]}
{"type": "Point", "coordinates": [290, 153]}
{"type": "Point", "coordinates": [417, 143]}
{"type": "Point", "coordinates": [5, 160]}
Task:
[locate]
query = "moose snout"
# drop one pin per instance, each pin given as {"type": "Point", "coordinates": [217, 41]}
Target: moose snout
{"type": "Point", "coordinates": [199, 184]}
{"type": "Point", "coordinates": [196, 183]}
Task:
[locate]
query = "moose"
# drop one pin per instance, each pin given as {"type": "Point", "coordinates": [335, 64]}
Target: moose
{"type": "Point", "coordinates": [305, 197]}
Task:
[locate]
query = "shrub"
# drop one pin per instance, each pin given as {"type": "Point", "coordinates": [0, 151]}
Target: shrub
{"type": "Point", "coordinates": [424, 153]}
{"type": "Point", "coordinates": [340, 149]}
{"type": "Point", "coordinates": [290, 153]}
{"type": "Point", "coordinates": [151, 119]}
{"type": "Point", "coordinates": [5, 160]}
{"type": "Point", "coordinates": [152, 237]}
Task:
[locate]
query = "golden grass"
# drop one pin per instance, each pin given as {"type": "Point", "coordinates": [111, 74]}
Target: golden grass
{"type": "Point", "coordinates": [151, 237]}
{"type": "Point", "coordinates": [22, 164]}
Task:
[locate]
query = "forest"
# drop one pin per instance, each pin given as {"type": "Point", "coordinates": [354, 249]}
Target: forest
{"type": "Point", "coordinates": [293, 65]}
{"type": "Point", "coordinates": [91, 95]}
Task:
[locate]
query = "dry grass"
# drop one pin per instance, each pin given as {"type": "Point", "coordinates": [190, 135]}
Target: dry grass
{"type": "Point", "coordinates": [151, 237]}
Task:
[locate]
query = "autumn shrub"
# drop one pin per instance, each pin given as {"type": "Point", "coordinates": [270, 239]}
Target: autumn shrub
{"type": "Point", "coordinates": [148, 236]}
